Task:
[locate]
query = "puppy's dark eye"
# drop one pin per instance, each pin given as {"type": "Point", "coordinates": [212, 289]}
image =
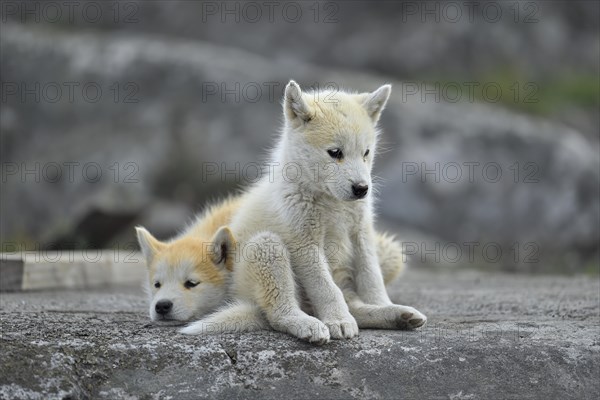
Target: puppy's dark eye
{"type": "Point", "coordinates": [336, 153]}
{"type": "Point", "coordinates": [190, 284]}
{"type": "Point", "coordinates": [157, 284]}
{"type": "Point", "coordinates": [367, 152]}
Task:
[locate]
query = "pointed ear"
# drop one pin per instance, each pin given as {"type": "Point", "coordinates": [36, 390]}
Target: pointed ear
{"type": "Point", "coordinates": [148, 244]}
{"type": "Point", "coordinates": [375, 102]}
{"type": "Point", "coordinates": [295, 107]}
{"type": "Point", "coordinates": [223, 245]}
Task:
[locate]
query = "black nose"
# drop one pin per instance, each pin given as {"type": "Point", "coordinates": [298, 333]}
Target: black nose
{"type": "Point", "coordinates": [360, 190]}
{"type": "Point", "coordinates": [163, 307]}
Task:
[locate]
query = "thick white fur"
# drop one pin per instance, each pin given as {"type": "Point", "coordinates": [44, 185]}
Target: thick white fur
{"type": "Point", "coordinates": [304, 218]}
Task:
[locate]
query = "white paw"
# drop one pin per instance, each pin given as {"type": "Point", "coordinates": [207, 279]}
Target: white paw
{"type": "Point", "coordinates": [311, 330]}
{"type": "Point", "coordinates": [342, 327]}
{"type": "Point", "coordinates": [303, 327]}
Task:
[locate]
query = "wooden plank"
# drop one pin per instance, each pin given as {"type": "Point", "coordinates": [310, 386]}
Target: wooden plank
{"type": "Point", "coordinates": [11, 274]}
{"type": "Point", "coordinates": [70, 269]}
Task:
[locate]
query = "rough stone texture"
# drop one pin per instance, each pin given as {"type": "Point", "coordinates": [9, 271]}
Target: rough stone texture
{"type": "Point", "coordinates": [490, 336]}
{"type": "Point", "coordinates": [412, 39]}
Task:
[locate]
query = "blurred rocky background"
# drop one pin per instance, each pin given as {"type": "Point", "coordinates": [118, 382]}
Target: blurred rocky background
{"type": "Point", "coordinates": [115, 114]}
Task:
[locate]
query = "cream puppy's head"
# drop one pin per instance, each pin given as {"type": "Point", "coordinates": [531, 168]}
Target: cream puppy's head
{"type": "Point", "coordinates": [332, 136]}
{"type": "Point", "coordinates": [187, 277]}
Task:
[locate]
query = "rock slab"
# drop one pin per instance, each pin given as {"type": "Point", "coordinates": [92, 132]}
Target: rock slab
{"type": "Point", "coordinates": [489, 336]}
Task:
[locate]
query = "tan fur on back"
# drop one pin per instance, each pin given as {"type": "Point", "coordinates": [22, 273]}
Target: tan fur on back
{"type": "Point", "coordinates": [214, 217]}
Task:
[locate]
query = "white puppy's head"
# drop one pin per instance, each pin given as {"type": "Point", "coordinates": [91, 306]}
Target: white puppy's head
{"type": "Point", "coordinates": [332, 137]}
{"type": "Point", "coordinates": [187, 277]}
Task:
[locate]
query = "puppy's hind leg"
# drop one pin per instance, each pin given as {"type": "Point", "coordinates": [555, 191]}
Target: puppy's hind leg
{"type": "Point", "coordinates": [392, 316]}
{"type": "Point", "coordinates": [235, 317]}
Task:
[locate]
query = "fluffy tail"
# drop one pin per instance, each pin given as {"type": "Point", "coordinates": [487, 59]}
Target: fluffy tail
{"type": "Point", "coordinates": [391, 257]}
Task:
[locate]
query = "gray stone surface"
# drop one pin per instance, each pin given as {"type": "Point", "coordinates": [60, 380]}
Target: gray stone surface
{"type": "Point", "coordinates": [489, 336]}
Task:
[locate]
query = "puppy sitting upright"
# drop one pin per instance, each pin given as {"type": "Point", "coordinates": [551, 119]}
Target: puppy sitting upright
{"type": "Point", "coordinates": [319, 195]}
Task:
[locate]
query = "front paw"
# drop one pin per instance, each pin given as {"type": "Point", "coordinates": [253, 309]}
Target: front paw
{"type": "Point", "coordinates": [312, 330]}
{"type": "Point", "coordinates": [344, 327]}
